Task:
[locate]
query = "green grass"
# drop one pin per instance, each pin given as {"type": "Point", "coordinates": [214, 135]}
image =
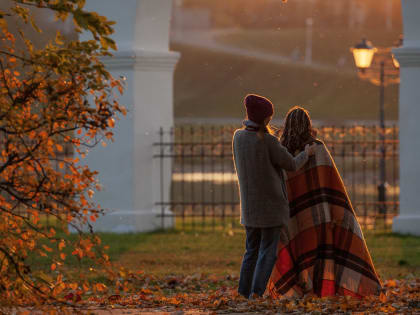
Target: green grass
{"type": "Point", "coordinates": [212, 85]}
{"type": "Point", "coordinates": [220, 252]}
{"type": "Point", "coordinates": [394, 255]}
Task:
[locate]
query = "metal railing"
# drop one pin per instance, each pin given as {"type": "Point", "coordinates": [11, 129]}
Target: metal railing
{"type": "Point", "coordinates": [203, 185]}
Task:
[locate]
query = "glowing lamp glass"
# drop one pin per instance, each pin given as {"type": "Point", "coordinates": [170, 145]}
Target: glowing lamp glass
{"type": "Point", "coordinates": [363, 57]}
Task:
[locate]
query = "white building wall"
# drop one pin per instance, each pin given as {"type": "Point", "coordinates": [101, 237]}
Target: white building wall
{"type": "Point", "coordinates": [129, 174]}
{"type": "Point", "coordinates": [408, 220]}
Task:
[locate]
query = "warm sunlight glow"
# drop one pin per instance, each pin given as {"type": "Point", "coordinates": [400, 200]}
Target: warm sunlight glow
{"type": "Point", "coordinates": [395, 61]}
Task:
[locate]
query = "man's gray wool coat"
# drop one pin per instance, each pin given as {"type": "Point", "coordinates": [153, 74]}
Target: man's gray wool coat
{"type": "Point", "coordinates": [259, 164]}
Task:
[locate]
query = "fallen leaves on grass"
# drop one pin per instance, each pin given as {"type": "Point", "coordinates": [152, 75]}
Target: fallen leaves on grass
{"type": "Point", "coordinates": [219, 295]}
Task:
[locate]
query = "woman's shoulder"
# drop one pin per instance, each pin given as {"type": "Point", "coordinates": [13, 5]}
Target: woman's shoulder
{"type": "Point", "coordinates": [318, 142]}
{"type": "Point", "coordinates": [314, 141]}
{"type": "Point", "coordinates": [321, 146]}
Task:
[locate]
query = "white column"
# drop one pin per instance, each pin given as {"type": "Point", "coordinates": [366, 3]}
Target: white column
{"type": "Point", "coordinates": [129, 174]}
{"type": "Point", "coordinates": [408, 221]}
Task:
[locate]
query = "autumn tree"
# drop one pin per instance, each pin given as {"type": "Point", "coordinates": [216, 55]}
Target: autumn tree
{"type": "Point", "coordinates": [56, 102]}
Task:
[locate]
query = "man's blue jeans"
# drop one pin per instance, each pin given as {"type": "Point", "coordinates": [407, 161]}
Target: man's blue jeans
{"type": "Point", "coordinates": [259, 259]}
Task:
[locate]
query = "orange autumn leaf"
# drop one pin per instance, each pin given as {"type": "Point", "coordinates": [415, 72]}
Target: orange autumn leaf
{"type": "Point", "coordinates": [73, 286]}
{"type": "Point", "coordinates": [111, 122]}
{"type": "Point", "coordinates": [383, 298]}
{"type": "Point", "coordinates": [53, 267]}
{"type": "Point", "coordinates": [100, 287]}
{"type": "Point", "coordinates": [48, 249]}
{"type": "Point", "coordinates": [61, 245]}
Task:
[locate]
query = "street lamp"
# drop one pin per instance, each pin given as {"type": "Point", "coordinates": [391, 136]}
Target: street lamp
{"type": "Point", "coordinates": [386, 67]}
{"type": "Point", "coordinates": [363, 54]}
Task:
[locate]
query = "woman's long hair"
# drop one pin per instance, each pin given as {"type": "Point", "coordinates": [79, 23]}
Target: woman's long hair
{"type": "Point", "coordinates": [298, 130]}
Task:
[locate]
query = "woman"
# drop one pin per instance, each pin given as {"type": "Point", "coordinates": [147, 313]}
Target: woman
{"type": "Point", "coordinates": [259, 158]}
{"type": "Point", "coordinates": [325, 252]}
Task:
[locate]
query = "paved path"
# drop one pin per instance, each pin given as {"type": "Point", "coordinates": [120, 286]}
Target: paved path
{"type": "Point", "coordinates": [144, 312]}
{"type": "Point", "coordinates": [122, 311]}
{"type": "Point", "coordinates": [207, 39]}
{"type": "Point", "coordinates": [157, 312]}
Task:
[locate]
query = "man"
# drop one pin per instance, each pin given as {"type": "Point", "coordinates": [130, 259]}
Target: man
{"type": "Point", "coordinates": [259, 159]}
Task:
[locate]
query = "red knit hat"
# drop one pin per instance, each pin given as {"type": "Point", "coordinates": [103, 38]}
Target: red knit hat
{"type": "Point", "coordinates": [258, 108]}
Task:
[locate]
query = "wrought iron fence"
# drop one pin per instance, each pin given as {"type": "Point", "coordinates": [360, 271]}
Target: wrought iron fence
{"type": "Point", "coordinates": [203, 185]}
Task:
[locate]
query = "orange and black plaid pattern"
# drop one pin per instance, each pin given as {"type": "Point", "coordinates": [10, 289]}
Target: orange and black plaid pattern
{"type": "Point", "coordinates": [323, 252]}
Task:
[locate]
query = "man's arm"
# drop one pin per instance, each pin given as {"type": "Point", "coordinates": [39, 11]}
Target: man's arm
{"type": "Point", "coordinates": [283, 159]}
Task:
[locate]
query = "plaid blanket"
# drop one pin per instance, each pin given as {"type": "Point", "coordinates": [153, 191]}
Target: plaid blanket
{"type": "Point", "coordinates": [323, 252]}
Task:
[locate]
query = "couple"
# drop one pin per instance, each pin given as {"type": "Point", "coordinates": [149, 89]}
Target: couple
{"type": "Point", "coordinates": [302, 234]}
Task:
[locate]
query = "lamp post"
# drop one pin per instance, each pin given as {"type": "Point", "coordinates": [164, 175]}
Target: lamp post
{"type": "Point", "coordinates": [381, 73]}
